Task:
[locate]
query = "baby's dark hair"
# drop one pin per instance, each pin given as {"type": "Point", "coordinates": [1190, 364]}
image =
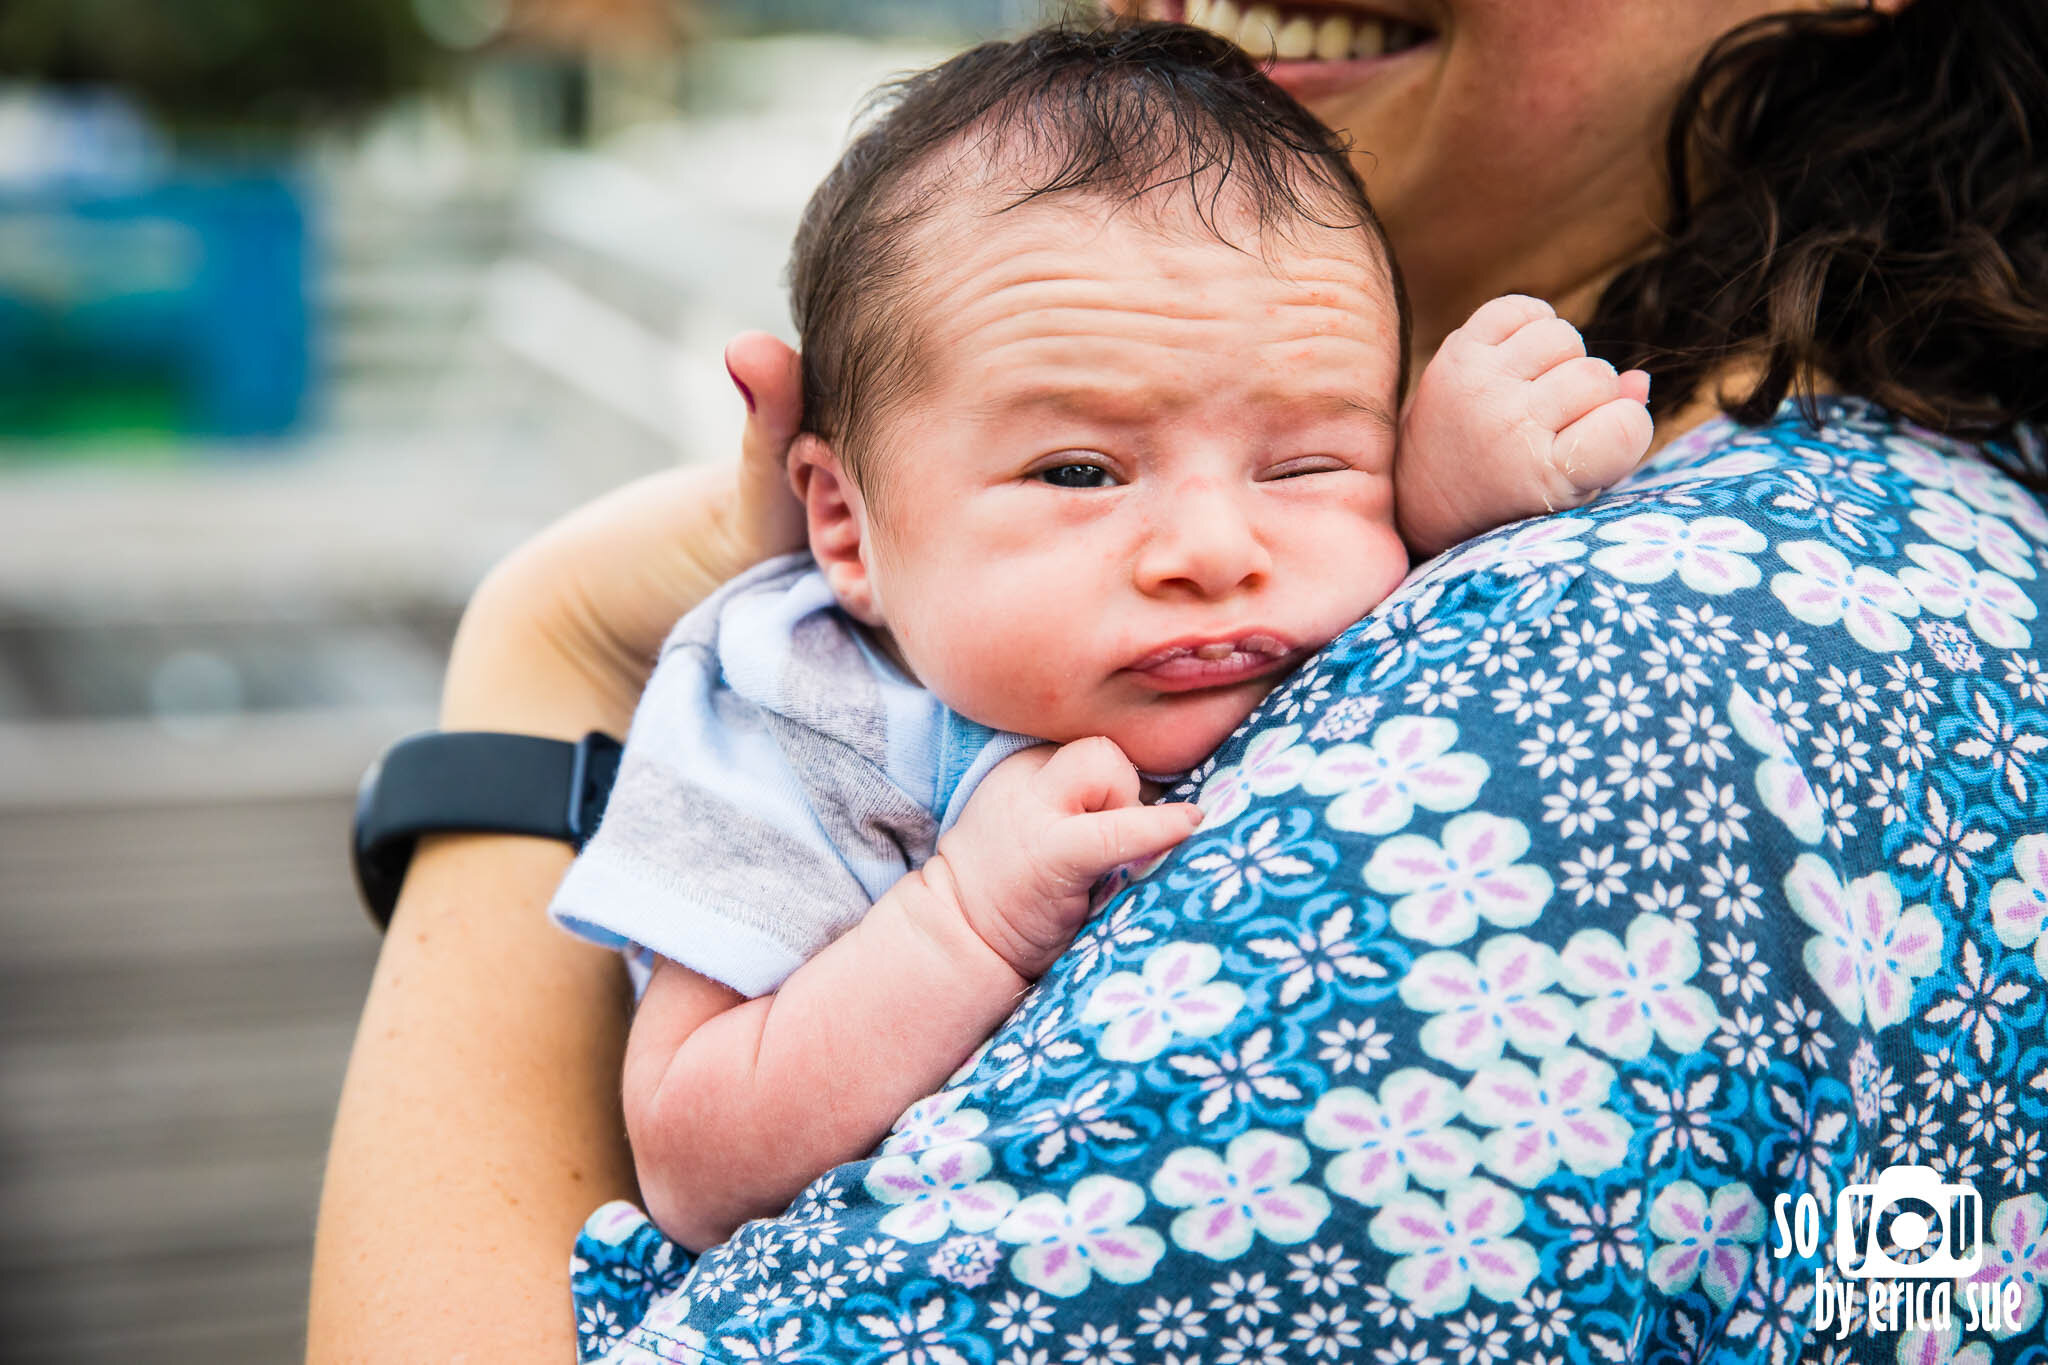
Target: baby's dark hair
{"type": "Point", "coordinates": [1113, 110]}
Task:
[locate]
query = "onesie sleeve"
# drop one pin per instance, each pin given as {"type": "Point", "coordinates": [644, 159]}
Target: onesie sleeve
{"type": "Point", "coordinates": [755, 817]}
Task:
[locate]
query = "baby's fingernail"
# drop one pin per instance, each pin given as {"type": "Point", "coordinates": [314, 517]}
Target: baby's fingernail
{"type": "Point", "coordinates": [745, 392]}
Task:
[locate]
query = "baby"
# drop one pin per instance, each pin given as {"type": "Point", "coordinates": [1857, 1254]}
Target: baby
{"type": "Point", "coordinates": [1103, 354]}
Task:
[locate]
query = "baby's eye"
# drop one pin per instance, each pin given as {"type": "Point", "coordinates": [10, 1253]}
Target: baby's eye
{"type": "Point", "coordinates": [1076, 476]}
{"type": "Point", "coordinates": [1295, 469]}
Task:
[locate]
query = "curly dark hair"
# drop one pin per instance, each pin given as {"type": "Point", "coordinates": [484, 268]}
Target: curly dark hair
{"type": "Point", "coordinates": [1861, 199]}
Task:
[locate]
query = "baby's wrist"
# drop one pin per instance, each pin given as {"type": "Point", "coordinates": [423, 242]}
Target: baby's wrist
{"type": "Point", "coordinates": [970, 943]}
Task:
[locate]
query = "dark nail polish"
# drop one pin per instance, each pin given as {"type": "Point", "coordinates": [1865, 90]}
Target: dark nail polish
{"type": "Point", "coordinates": [745, 392]}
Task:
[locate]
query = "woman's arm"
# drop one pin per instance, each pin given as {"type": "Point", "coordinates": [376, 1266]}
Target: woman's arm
{"type": "Point", "coordinates": [480, 1122]}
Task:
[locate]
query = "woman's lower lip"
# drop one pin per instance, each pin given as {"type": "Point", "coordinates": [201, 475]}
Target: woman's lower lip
{"type": "Point", "coordinates": [1311, 80]}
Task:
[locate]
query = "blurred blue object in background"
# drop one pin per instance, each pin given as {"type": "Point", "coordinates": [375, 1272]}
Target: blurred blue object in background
{"type": "Point", "coordinates": [142, 297]}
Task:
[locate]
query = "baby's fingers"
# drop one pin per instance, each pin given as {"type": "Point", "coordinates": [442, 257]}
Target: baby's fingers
{"type": "Point", "coordinates": [1082, 848]}
{"type": "Point", "coordinates": [1564, 393]}
{"type": "Point", "coordinates": [1087, 775]}
{"type": "Point", "coordinates": [1605, 444]}
{"type": "Point", "coordinates": [1540, 346]}
{"type": "Point", "coordinates": [1494, 321]}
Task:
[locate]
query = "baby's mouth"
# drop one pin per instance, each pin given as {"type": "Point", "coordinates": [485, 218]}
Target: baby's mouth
{"type": "Point", "coordinates": [1293, 32]}
{"type": "Point", "coordinates": [1212, 663]}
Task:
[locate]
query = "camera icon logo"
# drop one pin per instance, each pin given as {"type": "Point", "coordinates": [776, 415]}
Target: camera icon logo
{"type": "Point", "coordinates": [1950, 1237]}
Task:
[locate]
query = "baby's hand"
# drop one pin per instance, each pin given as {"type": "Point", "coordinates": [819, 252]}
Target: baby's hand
{"type": "Point", "coordinates": [1510, 419]}
{"type": "Point", "coordinates": [1037, 834]}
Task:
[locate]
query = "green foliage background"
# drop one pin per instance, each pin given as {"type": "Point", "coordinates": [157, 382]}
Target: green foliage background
{"type": "Point", "coordinates": [203, 65]}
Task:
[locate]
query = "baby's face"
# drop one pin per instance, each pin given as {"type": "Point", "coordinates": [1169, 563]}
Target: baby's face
{"type": "Point", "coordinates": [1146, 473]}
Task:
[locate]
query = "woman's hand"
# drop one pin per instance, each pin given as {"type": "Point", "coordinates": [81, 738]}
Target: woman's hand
{"type": "Point", "coordinates": [560, 637]}
{"type": "Point", "coordinates": [479, 1123]}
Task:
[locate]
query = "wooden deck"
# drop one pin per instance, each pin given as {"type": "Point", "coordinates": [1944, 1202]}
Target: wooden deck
{"type": "Point", "coordinates": [178, 987]}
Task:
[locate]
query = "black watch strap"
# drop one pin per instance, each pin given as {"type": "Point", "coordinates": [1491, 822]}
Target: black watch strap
{"type": "Point", "coordinates": [474, 782]}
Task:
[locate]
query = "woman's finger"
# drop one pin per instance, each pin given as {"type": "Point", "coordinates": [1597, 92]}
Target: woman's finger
{"type": "Point", "coordinates": [769, 377]}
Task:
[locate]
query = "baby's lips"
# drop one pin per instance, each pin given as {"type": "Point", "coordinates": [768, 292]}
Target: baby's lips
{"type": "Point", "coordinates": [1215, 648]}
{"type": "Point", "coordinates": [1194, 664]}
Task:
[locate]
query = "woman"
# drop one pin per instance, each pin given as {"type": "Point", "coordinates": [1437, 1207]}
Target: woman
{"type": "Point", "coordinates": [1761, 731]}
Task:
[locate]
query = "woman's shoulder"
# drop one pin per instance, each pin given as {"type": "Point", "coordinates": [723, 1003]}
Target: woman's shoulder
{"type": "Point", "coordinates": [1836, 437]}
{"type": "Point", "coordinates": [1737, 565]}
{"type": "Point", "coordinates": [1731, 512]}
{"type": "Point", "coordinates": [1714, 807]}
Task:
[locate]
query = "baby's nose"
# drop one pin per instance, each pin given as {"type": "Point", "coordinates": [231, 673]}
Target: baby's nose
{"type": "Point", "coordinates": [1203, 544]}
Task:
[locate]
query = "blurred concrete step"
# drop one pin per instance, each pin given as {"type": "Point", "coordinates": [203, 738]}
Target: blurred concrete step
{"type": "Point", "coordinates": [177, 1000]}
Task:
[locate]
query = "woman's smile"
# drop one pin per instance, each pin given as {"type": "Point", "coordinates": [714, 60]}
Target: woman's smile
{"type": "Point", "coordinates": [1299, 33]}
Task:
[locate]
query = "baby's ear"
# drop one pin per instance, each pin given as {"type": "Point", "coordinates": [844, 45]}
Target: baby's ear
{"type": "Point", "coordinates": [838, 522]}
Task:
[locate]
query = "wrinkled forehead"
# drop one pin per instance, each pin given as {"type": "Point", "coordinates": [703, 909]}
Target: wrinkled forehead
{"type": "Point", "coordinates": [1097, 292]}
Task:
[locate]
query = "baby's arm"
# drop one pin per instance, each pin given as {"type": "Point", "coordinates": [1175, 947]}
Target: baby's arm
{"type": "Point", "coordinates": [1511, 419]}
{"type": "Point", "coordinates": [734, 1105]}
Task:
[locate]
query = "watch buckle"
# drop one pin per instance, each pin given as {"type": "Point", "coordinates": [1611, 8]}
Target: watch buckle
{"type": "Point", "coordinates": [592, 769]}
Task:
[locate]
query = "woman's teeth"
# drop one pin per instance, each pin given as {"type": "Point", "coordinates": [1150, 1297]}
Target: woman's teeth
{"type": "Point", "coordinates": [1291, 34]}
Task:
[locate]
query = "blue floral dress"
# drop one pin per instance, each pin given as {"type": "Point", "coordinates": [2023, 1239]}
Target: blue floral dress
{"type": "Point", "coordinates": [1564, 956]}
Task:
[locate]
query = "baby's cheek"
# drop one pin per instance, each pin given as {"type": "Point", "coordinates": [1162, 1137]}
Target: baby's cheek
{"type": "Point", "coordinates": [1032, 663]}
{"type": "Point", "coordinates": [1360, 568]}
{"type": "Point", "coordinates": [1000, 681]}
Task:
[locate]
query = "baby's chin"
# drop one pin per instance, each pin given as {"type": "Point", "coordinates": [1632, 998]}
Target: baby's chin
{"type": "Point", "coordinates": [1167, 743]}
